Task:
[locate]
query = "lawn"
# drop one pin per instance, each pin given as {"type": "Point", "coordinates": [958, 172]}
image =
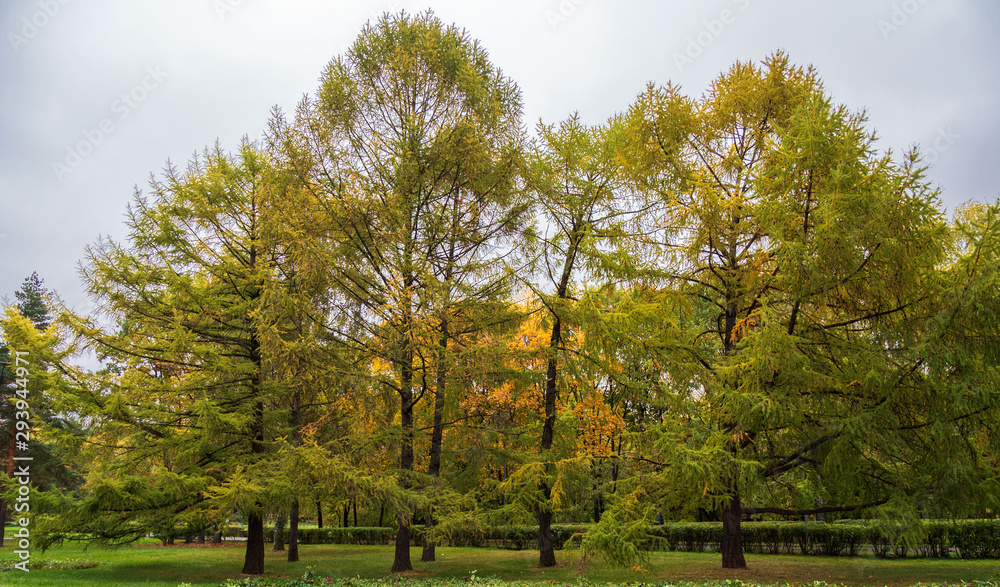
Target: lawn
{"type": "Point", "coordinates": [152, 564]}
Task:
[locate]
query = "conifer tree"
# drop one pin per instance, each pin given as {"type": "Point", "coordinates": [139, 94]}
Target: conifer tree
{"type": "Point", "coordinates": [182, 414]}
{"type": "Point", "coordinates": [812, 268]}
{"type": "Point", "coordinates": [410, 149]}
{"type": "Point", "coordinates": [577, 186]}
{"type": "Point", "coordinates": [32, 303]}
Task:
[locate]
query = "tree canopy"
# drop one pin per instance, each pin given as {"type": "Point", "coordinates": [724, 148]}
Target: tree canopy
{"type": "Point", "coordinates": [397, 302]}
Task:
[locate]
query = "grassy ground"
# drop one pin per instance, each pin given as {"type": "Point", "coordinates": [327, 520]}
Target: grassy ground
{"type": "Point", "coordinates": [151, 564]}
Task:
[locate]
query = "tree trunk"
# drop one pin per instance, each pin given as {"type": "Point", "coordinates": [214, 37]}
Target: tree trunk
{"type": "Point", "coordinates": [546, 549]}
{"type": "Point", "coordinates": [253, 562]}
{"type": "Point", "coordinates": [428, 554]}
{"type": "Point", "coordinates": [279, 533]}
{"type": "Point", "coordinates": [217, 536]}
{"type": "Point", "coordinates": [293, 514]}
{"type": "Point", "coordinates": [201, 536]}
{"type": "Point", "coordinates": [437, 433]}
{"type": "Point", "coordinates": [732, 539]}
{"type": "Point", "coordinates": [347, 512]}
{"type": "Point", "coordinates": [381, 515]}
{"type": "Point", "coordinates": [401, 560]}
{"type": "Point", "coordinates": [293, 532]}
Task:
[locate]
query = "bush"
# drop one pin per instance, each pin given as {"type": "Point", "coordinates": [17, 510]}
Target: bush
{"type": "Point", "coordinates": [976, 538]}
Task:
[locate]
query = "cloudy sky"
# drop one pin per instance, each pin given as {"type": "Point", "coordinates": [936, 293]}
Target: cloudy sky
{"type": "Point", "coordinates": [97, 94]}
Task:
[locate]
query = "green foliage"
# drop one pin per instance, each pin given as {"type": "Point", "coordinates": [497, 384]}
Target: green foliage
{"type": "Point", "coordinates": [974, 538]}
{"type": "Point", "coordinates": [33, 301]}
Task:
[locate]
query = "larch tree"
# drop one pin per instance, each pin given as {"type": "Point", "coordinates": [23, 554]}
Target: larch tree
{"type": "Point", "coordinates": [812, 270]}
{"type": "Point", "coordinates": [410, 149]}
{"type": "Point", "coordinates": [181, 417]}
{"type": "Point", "coordinates": [577, 184]}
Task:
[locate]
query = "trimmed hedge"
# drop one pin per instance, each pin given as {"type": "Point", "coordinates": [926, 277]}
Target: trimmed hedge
{"type": "Point", "coordinates": [963, 538]}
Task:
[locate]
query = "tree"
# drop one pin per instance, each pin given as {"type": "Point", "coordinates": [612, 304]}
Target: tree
{"type": "Point", "coordinates": [31, 301]}
{"type": "Point", "coordinates": [811, 268]}
{"type": "Point", "coordinates": [409, 127]}
{"type": "Point", "coordinates": [576, 181]}
{"type": "Point", "coordinates": [52, 446]}
{"type": "Point", "coordinates": [180, 415]}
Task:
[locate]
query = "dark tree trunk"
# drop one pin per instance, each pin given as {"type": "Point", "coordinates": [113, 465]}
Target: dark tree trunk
{"type": "Point", "coordinates": [293, 514]}
{"type": "Point", "coordinates": [217, 536]}
{"type": "Point", "coordinates": [279, 533]}
{"type": "Point", "coordinates": [253, 563]}
{"type": "Point", "coordinates": [293, 532]}
{"type": "Point", "coordinates": [381, 515]}
{"type": "Point", "coordinates": [732, 539]}
{"type": "Point", "coordinates": [401, 560]}
{"type": "Point", "coordinates": [429, 553]}
{"type": "Point", "coordinates": [201, 536]}
{"type": "Point", "coordinates": [354, 508]}
{"type": "Point", "coordinates": [546, 549]}
{"type": "Point", "coordinates": [319, 513]}
{"type": "Point", "coordinates": [437, 433]}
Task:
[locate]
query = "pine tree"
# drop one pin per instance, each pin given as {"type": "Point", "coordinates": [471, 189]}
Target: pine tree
{"type": "Point", "coordinates": [32, 301]}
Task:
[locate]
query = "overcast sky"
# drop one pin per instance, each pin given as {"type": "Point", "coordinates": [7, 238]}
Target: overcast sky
{"type": "Point", "coordinates": [97, 94]}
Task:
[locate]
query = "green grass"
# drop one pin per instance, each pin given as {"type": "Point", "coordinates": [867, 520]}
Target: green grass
{"type": "Point", "coordinates": [151, 564]}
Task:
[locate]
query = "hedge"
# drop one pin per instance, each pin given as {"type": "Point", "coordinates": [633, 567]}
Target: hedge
{"type": "Point", "coordinates": [964, 538]}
